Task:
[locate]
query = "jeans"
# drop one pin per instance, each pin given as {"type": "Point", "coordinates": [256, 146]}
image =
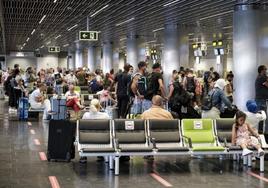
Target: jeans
{"type": "Point", "coordinates": [261, 103]}
{"type": "Point", "coordinates": [139, 106]}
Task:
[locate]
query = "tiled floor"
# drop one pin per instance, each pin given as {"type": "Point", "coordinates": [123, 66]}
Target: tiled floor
{"type": "Point", "coordinates": [21, 166]}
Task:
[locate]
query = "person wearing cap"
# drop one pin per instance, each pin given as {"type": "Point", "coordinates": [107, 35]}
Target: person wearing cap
{"type": "Point", "coordinates": [254, 115]}
{"type": "Point", "coordinates": [218, 98]}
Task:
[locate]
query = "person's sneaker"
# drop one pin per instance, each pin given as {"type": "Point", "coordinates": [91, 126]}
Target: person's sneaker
{"type": "Point", "coordinates": [260, 152]}
{"type": "Point", "coordinates": [83, 160]}
{"type": "Point", "coordinates": [246, 152]}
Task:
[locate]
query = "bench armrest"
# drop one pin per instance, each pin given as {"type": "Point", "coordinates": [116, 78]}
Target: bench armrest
{"type": "Point", "coordinates": [189, 140]}
{"type": "Point", "coordinates": [152, 140]}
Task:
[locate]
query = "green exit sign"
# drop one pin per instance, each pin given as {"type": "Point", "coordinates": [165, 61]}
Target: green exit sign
{"type": "Point", "coordinates": [54, 49]}
{"type": "Point", "coordinates": [88, 35]}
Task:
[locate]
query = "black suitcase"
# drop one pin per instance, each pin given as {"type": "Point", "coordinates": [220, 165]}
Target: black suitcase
{"type": "Point", "coordinates": [61, 139]}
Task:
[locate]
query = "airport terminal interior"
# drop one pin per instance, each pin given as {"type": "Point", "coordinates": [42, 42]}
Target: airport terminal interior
{"type": "Point", "coordinates": [133, 93]}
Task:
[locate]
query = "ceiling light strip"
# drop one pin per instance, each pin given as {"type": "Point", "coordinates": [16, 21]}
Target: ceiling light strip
{"type": "Point", "coordinates": [165, 5]}
{"type": "Point", "coordinates": [27, 39]}
{"type": "Point", "coordinates": [42, 46]}
{"type": "Point", "coordinates": [212, 16]}
{"type": "Point", "coordinates": [74, 26]}
{"type": "Point", "coordinates": [124, 22]}
{"type": "Point", "coordinates": [98, 11]}
{"type": "Point", "coordinates": [159, 29]}
{"type": "Point", "coordinates": [65, 45]}
{"type": "Point", "coordinates": [55, 1]}
{"type": "Point", "coordinates": [57, 36]}
{"type": "Point", "coordinates": [33, 32]}
{"type": "Point", "coordinates": [42, 19]}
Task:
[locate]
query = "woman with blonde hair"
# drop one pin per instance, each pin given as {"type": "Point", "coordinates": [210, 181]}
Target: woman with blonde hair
{"type": "Point", "coordinates": [94, 111]}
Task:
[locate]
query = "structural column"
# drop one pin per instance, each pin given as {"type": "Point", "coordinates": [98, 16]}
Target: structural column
{"type": "Point", "coordinates": [170, 52]}
{"type": "Point", "coordinates": [245, 52]}
{"type": "Point", "coordinates": [183, 47]}
{"type": "Point", "coordinates": [91, 58]}
{"type": "Point", "coordinates": [78, 59]}
{"type": "Point", "coordinates": [132, 50]}
{"type": "Point", "coordinates": [107, 57]}
{"type": "Point", "coordinates": [70, 60]}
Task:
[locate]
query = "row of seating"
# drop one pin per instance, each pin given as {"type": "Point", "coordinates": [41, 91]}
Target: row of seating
{"type": "Point", "coordinates": [124, 137]}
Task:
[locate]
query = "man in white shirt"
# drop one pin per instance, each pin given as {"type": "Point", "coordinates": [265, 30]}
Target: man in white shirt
{"type": "Point", "coordinates": [37, 100]}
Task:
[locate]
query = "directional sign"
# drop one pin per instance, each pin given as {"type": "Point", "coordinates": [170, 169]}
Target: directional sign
{"type": "Point", "coordinates": [54, 49]}
{"type": "Point", "coordinates": [88, 35]}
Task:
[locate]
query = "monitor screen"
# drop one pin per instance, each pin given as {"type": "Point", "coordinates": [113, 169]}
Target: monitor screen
{"type": "Point", "coordinates": [221, 51]}
{"type": "Point", "coordinates": [216, 51]}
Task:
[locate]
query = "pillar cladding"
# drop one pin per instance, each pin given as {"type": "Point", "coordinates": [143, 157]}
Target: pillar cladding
{"type": "Point", "coordinates": [183, 47]}
{"type": "Point", "coordinates": [170, 52]}
{"type": "Point", "coordinates": [78, 59]}
{"type": "Point", "coordinates": [133, 50]}
{"type": "Point", "coordinates": [71, 60]}
{"type": "Point", "coordinates": [245, 52]}
{"type": "Point", "coordinates": [107, 57]}
{"type": "Point", "coordinates": [91, 58]}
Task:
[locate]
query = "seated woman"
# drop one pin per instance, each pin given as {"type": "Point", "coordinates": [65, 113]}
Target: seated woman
{"type": "Point", "coordinates": [73, 99]}
{"type": "Point", "coordinates": [94, 113]}
{"type": "Point", "coordinates": [105, 97]}
{"type": "Point", "coordinates": [241, 135]}
{"type": "Point", "coordinates": [19, 90]}
{"type": "Point", "coordinates": [37, 100]}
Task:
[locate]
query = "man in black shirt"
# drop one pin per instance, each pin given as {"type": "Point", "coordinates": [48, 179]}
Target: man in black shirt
{"type": "Point", "coordinates": [261, 88]}
{"type": "Point", "coordinates": [156, 83]}
{"type": "Point", "coordinates": [122, 81]}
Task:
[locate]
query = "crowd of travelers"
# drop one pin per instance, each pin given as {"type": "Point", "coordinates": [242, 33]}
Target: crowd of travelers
{"type": "Point", "coordinates": [145, 93]}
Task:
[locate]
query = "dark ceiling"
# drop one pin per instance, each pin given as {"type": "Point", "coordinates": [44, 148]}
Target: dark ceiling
{"type": "Point", "coordinates": [206, 19]}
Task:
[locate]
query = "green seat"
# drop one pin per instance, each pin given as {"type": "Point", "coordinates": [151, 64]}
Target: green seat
{"type": "Point", "coordinates": [208, 148]}
{"type": "Point", "coordinates": [201, 133]}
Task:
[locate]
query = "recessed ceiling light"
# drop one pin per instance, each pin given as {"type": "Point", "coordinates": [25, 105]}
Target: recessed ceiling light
{"type": "Point", "coordinates": [124, 22]}
{"type": "Point", "coordinates": [55, 1]}
{"type": "Point", "coordinates": [42, 46]}
{"type": "Point", "coordinates": [42, 19]}
{"type": "Point", "coordinates": [74, 26]}
{"type": "Point", "coordinates": [24, 44]}
{"type": "Point", "coordinates": [48, 42]}
{"type": "Point", "coordinates": [33, 32]}
{"type": "Point", "coordinates": [27, 39]}
{"type": "Point", "coordinates": [65, 45]}
{"type": "Point", "coordinates": [98, 11]}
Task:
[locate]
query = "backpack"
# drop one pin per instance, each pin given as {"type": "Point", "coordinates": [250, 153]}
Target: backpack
{"type": "Point", "coordinates": [141, 85]}
{"type": "Point", "coordinates": [179, 96]}
{"type": "Point", "coordinates": [94, 86]}
{"type": "Point", "coordinates": [207, 102]}
{"type": "Point", "coordinates": [190, 84]}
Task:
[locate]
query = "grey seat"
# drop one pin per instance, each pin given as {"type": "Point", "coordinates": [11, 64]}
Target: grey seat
{"type": "Point", "coordinates": [224, 131]}
{"type": "Point", "coordinates": [166, 135]}
{"type": "Point", "coordinates": [95, 136]}
{"type": "Point", "coordinates": [130, 136]}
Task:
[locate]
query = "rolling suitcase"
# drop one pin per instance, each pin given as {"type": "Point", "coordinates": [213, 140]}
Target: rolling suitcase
{"type": "Point", "coordinates": [61, 139]}
{"type": "Point", "coordinates": [59, 109]}
{"type": "Point", "coordinates": [23, 108]}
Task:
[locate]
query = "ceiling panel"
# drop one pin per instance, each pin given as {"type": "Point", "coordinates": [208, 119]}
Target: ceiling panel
{"type": "Point", "coordinates": [205, 19]}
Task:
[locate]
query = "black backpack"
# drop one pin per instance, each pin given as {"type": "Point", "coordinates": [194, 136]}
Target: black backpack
{"type": "Point", "coordinates": [190, 84]}
{"type": "Point", "coordinates": [207, 102]}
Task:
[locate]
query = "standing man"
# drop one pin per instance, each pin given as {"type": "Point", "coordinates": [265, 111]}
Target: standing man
{"type": "Point", "coordinates": [122, 81]}
{"type": "Point", "coordinates": [261, 88]}
{"type": "Point", "coordinates": [139, 90]}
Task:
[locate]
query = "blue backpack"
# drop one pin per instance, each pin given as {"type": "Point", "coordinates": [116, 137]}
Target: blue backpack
{"type": "Point", "coordinates": [94, 86]}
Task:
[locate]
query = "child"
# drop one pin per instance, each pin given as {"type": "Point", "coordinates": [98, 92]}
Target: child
{"type": "Point", "coordinates": [241, 135]}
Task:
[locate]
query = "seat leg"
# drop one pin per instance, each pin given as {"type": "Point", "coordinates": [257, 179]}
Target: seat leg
{"type": "Point", "coordinates": [249, 160]}
{"type": "Point", "coordinates": [245, 160]}
{"type": "Point", "coordinates": [116, 172]}
{"type": "Point", "coordinates": [234, 157]}
{"type": "Point", "coordinates": [106, 159]}
{"type": "Point", "coordinates": [262, 163]}
{"type": "Point", "coordinates": [111, 162]}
